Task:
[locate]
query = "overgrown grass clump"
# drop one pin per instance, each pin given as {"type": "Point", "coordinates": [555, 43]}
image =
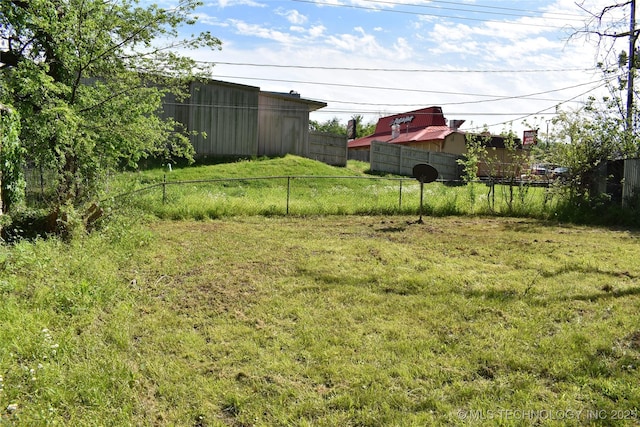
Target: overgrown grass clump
{"type": "Point", "coordinates": [340, 320]}
{"type": "Point", "coordinates": [64, 313]}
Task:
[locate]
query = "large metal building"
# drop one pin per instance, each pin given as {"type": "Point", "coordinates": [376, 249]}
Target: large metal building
{"type": "Point", "coordinates": [224, 115]}
{"type": "Point", "coordinates": [283, 123]}
{"type": "Point", "coordinates": [239, 120]}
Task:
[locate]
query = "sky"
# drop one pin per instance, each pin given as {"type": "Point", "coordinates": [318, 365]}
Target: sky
{"type": "Point", "coordinates": [497, 64]}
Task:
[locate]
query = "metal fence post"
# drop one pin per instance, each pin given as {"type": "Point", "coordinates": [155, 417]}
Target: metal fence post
{"type": "Point", "coordinates": [400, 196]}
{"type": "Point", "coordinates": [288, 192]}
{"type": "Point", "coordinates": [164, 189]}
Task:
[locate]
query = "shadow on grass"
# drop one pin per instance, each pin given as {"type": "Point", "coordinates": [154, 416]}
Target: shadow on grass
{"type": "Point", "coordinates": [605, 294]}
{"type": "Point", "coordinates": [392, 229]}
{"type": "Point", "coordinates": [576, 267]}
{"type": "Point", "coordinates": [532, 225]}
{"type": "Point", "coordinates": [494, 294]}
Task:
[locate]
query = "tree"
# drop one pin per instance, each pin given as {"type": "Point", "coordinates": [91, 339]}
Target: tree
{"type": "Point", "coordinates": [476, 145]}
{"type": "Point", "coordinates": [12, 192]}
{"type": "Point", "coordinates": [87, 78]}
{"type": "Point", "coordinates": [617, 62]}
{"type": "Point", "coordinates": [363, 129]}
{"type": "Point", "coordinates": [604, 129]}
{"type": "Point", "coordinates": [332, 126]}
{"type": "Point", "coordinates": [585, 140]}
{"type": "Point", "coordinates": [336, 127]}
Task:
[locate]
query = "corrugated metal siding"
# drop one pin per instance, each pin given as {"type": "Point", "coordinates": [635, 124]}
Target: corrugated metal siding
{"type": "Point", "coordinates": [241, 120]}
{"type": "Point", "coordinates": [283, 127]}
{"type": "Point", "coordinates": [328, 148]}
{"type": "Point", "coordinates": [228, 114]}
{"type": "Point", "coordinates": [631, 187]}
{"type": "Point", "coordinates": [400, 160]}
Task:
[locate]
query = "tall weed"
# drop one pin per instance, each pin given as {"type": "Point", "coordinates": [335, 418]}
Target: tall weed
{"type": "Point", "coordinates": [64, 311]}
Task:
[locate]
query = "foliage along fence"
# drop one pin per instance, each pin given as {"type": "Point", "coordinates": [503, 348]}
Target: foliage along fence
{"type": "Point", "coordinates": [330, 195]}
{"type": "Point", "coordinates": [11, 157]}
{"type": "Point", "coordinates": [288, 181]}
{"type": "Point", "coordinates": [38, 183]}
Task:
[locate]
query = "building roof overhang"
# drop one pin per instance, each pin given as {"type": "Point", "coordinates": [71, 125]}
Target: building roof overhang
{"type": "Point", "coordinates": [428, 134]}
{"type": "Point", "coordinates": [228, 84]}
{"type": "Point", "coordinates": [311, 104]}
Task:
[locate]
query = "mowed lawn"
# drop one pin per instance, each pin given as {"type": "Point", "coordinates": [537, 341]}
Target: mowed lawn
{"type": "Point", "coordinates": [329, 321]}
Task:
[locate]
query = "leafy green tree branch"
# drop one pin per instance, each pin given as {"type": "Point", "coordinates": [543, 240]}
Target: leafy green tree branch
{"type": "Point", "coordinates": [88, 78]}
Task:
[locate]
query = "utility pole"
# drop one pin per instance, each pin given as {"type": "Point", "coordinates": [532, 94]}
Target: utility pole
{"type": "Point", "coordinates": [633, 36]}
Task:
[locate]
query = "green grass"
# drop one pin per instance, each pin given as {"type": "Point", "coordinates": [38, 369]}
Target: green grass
{"type": "Point", "coordinates": [341, 320]}
{"type": "Point", "coordinates": [297, 186]}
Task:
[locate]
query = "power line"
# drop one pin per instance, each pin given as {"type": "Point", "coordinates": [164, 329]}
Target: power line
{"type": "Point", "coordinates": [405, 12]}
{"type": "Point", "coordinates": [493, 8]}
{"type": "Point", "coordinates": [332, 111]}
{"type": "Point", "coordinates": [523, 115]}
{"type": "Point", "coordinates": [544, 111]}
{"type": "Point", "coordinates": [448, 113]}
{"type": "Point", "coordinates": [402, 70]}
{"type": "Point", "coordinates": [490, 9]}
{"type": "Point", "coordinates": [413, 90]}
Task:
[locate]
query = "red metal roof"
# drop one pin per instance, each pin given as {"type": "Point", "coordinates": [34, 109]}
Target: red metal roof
{"type": "Point", "coordinates": [427, 124]}
{"type": "Point", "coordinates": [432, 133]}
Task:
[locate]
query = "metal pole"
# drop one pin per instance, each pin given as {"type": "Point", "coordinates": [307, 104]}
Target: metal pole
{"type": "Point", "coordinates": [548, 132]}
{"type": "Point", "coordinates": [400, 197]}
{"type": "Point", "coordinates": [421, 192]}
{"type": "Point", "coordinates": [288, 192]}
{"type": "Point", "coordinates": [164, 189]}
{"type": "Point", "coordinates": [632, 66]}
{"type": "Point", "coordinates": [42, 182]}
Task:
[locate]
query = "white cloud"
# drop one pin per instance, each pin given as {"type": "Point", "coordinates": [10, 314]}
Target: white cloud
{"type": "Point", "coordinates": [259, 31]}
{"type": "Point", "coordinates": [230, 3]}
{"type": "Point", "coordinates": [360, 42]}
{"type": "Point", "coordinates": [206, 19]}
{"type": "Point", "coordinates": [293, 16]}
{"type": "Point", "coordinates": [330, 3]}
{"type": "Point", "coordinates": [403, 48]}
{"type": "Point", "coordinates": [317, 30]}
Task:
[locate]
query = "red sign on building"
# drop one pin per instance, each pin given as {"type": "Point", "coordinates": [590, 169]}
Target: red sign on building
{"type": "Point", "coordinates": [530, 137]}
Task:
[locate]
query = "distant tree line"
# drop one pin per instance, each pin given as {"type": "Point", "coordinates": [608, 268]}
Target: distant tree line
{"type": "Point", "coordinates": [336, 127]}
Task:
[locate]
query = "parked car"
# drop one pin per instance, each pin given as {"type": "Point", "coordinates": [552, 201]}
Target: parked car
{"type": "Point", "coordinates": [535, 173]}
{"type": "Point", "coordinates": [560, 172]}
{"type": "Point", "coordinates": [539, 170]}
